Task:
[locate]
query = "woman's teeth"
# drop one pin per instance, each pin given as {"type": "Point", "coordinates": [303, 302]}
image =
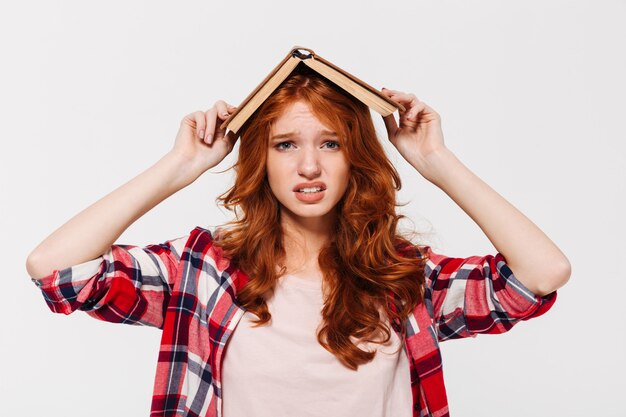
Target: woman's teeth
{"type": "Point", "coordinates": [310, 190]}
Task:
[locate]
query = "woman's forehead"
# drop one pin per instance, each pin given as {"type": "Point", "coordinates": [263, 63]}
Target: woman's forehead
{"type": "Point", "coordinates": [296, 117]}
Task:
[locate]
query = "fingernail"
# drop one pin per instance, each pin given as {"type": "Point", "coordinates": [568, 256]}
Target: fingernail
{"type": "Point", "coordinates": [225, 114]}
{"type": "Point", "coordinates": [209, 138]}
{"type": "Point", "coordinates": [201, 134]}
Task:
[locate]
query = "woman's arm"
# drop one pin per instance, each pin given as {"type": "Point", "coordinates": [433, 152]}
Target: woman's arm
{"type": "Point", "coordinates": [91, 232]}
{"type": "Point", "coordinates": [534, 259]}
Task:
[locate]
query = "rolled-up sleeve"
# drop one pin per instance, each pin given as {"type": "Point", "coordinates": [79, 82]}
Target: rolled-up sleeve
{"type": "Point", "coordinates": [127, 284]}
{"type": "Point", "coordinates": [478, 294]}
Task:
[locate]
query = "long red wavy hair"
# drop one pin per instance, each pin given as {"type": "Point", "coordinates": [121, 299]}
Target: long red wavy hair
{"type": "Point", "coordinates": [366, 264]}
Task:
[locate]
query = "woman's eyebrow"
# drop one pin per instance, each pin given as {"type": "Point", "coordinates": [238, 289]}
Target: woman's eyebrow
{"type": "Point", "coordinates": [295, 134]}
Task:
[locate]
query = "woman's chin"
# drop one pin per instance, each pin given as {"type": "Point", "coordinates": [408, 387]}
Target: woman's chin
{"type": "Point", "coordinates": [307, 210]}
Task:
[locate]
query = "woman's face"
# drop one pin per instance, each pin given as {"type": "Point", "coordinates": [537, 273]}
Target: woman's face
{"type": "Point", "coordinates": [304, 153]}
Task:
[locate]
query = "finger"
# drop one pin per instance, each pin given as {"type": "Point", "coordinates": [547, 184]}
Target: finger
{"type": "Point", "coordinates": [391, 125]}
{"type": "Point", "coordinates": [412, 118]}
{"type": "Point", "coordinates": [412, 99]}
{"type": "Point", "coordinates": [423, 113]}
{"type": "Point", "coordinates": [391, 92]}
{"type": "Point", "coordinates": [222, 109]}
{"type": "Point", "coordinates": [388, 90]}
{"type": "Point", "coordinates": [414, 111]}
{"type": "Point", "coordinates": [198, 117]}
{"type": "Point", "coordinates": [210, 115]}
{"type": "Point", "coordinates": [431, 112]}
{"type": "Point", "coordinates": [222, 114]}
{"type": "Point", "coordinates": [408, 100]}
{"type": "Point", "coordinates": [219, 132]}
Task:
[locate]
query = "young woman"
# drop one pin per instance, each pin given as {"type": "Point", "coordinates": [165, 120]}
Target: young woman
{"type": "Point", "coordinates": [309, 302]}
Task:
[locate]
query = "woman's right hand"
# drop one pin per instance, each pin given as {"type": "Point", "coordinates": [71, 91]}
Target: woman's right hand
{"type": "Point", "coordinates": [91, 232]}
{"type": "Point", "coordinates": [200, 143]}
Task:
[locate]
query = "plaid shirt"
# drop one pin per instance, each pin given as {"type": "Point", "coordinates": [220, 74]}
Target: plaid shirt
{"type": "Point", "coordinates": [186, 288]}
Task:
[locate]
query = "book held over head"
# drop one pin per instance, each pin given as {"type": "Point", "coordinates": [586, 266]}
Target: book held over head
{"type": "Point", "coordinates": [298, 55]}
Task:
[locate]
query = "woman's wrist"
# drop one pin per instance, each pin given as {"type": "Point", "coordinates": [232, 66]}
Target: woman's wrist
{"type": "Point", "coordinates": [179, 169]}
{"type": "Point", "coordinates": [438, 165]}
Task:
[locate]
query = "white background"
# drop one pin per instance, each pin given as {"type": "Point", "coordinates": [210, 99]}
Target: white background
{"type": "Point", "coordinates": [532, 100]}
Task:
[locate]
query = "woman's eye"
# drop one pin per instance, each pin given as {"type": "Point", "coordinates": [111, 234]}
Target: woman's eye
{"type": "Point", "coordinates": [334, 143]}
{"type": "Point", "coordinates": [279, 145]}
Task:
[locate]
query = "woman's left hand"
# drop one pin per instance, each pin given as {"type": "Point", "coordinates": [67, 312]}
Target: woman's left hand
{"type": "Point", "coordinates": [419, 134]}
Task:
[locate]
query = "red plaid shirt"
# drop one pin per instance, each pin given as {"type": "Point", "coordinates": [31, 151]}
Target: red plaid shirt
{"type": "Point", "coordinates": [186, 288]}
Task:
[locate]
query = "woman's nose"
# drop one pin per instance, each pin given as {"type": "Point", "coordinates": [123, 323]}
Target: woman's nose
{"type": "Point", "coordinates": [309, 163]}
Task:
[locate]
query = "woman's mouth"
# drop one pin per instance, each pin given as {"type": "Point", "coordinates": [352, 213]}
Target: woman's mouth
{"type": "Point", "coordinates": [310, 195]}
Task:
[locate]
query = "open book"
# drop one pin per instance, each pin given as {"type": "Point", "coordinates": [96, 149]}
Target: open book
{"type": "Point", "coordinates": [362, 91]}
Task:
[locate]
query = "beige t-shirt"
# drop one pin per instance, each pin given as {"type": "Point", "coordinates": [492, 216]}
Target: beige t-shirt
{"type": "Point", "coordinates": [280, 369]}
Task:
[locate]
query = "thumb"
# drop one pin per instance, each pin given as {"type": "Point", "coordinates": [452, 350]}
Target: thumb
{"type": "Point", "coordinates": [231, 137]}
{"type": "Point", "coordinates": [391, 125]}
